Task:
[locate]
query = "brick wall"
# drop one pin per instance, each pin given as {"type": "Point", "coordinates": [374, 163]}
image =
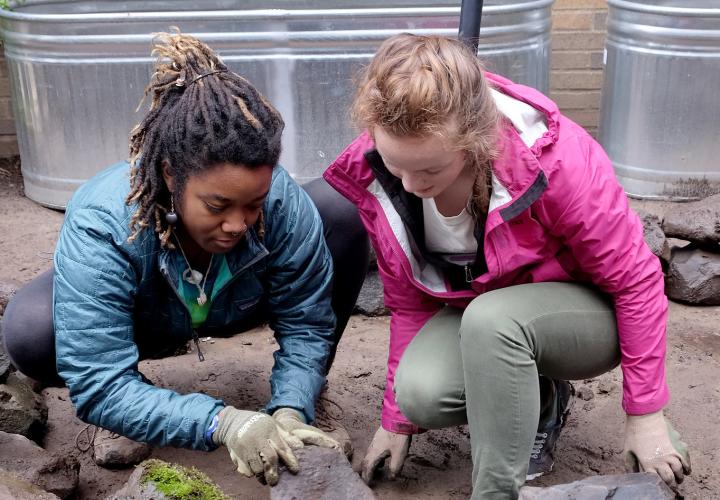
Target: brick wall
{"type": "Point", "coordinates": [578, 36]}
{"type": "Point", "coordinates": [577, 44]}
{"type": "Point", "coordinates": [8, 141]}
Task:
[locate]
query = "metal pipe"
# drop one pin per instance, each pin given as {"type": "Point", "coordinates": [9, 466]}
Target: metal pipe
{"type": "Point", "coordinates": [470, 16]}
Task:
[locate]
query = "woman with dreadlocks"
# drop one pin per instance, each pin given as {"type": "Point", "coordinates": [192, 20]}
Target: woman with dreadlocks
{"type": "Point", "coordinates": [200, 234]}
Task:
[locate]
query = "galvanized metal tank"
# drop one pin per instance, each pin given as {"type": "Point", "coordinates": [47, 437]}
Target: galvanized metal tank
{"type": "Point", "coordinates": [78, 68]}
{"type": "Point", "coordinates": [660, 112]}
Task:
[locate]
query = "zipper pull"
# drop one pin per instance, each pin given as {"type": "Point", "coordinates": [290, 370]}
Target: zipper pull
{"type": "Point", "coordinates": [197, 345]}
{"type": "Point", "coordinates": [468, 274]}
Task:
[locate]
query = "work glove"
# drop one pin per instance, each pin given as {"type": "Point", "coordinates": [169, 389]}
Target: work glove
{"type": "Point", "coordinates": [385, 444]}
{"type": "Point", "coordinates": [255, 443]}
{"type": "Point", "coordinates": [652, 445]}
{"type": "Point", "coordinates": [293, 421]}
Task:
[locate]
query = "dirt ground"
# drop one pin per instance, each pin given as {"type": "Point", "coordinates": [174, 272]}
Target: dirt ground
{"type": "Point", "coordinates": [439, 466]}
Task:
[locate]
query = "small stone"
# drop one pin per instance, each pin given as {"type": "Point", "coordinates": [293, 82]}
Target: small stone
{"type": "Point", "coordinates": [26, 460]}
{"type": "Point", "coordinates": [22, 411]}
{"type": "Point", "coordinates": [606, 386]}
{"type": "Point", "coordinates": [588, 406]}
{"type": "Point", "coordinates": [640, 486]}
{"type": "Point", "coordinates": [693, 277]}
{"type": "Point", "coordinates": [585, 393]}
{"type": "Point", "coordinates": [325, 474]}
{"type": "Point", "coordinates": [14, 488]}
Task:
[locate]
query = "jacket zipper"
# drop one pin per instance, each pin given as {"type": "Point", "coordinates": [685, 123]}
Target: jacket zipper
{"type": "Point", "coordinates": [195, 336]}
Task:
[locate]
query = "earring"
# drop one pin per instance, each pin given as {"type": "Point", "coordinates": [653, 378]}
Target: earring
{"type": "Point", "coordinates": [171, 217]}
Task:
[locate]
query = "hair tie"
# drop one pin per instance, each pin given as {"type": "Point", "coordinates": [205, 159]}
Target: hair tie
{"type": "Point", "coordinates": [206, 74]}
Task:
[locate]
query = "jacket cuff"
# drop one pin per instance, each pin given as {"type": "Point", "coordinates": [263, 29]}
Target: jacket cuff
{"type": "Point", "coordinates": [632, 408]}
{"type": "Point", "coordinates": [400, 426]}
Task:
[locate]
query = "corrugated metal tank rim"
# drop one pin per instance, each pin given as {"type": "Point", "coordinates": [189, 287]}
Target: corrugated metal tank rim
{"type": "Point", "coordinates": [491, 7]}
{"type": "Point", "coordinates": [702, 8]}
{"type": "Point", "coordinates": [78, 68]}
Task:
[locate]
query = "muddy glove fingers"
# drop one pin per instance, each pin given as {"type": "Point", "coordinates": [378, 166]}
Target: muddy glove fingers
{"type": "Point", "coordinates": [385, 444]}
{"type": "Point", "coordinates": [652, 445]}
{"type": "Point", "coordinates": [293, 422]}
{"type": "Point", "coordinates": [255, 444]}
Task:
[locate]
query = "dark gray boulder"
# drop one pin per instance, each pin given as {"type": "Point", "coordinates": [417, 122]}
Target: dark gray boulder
{"type": "Point", "coordinates": [654, 236]}
{"type": "Point", "coordinates": [14, 488]}
{"type": "Point", "coordinates": [370, 302]}
{"type": "Point", "coordinates": [693, 277]}
{"type": "Point", "coordinates": [325, 474]}
{"type": "Point", "coordinates": [640, 486]}
{"type": "Point", "coordinates": [698, 221]}
{"type": "Point", "coordinates": [22, 411]}
{"type": "Point", "coordinates": [26, 460]}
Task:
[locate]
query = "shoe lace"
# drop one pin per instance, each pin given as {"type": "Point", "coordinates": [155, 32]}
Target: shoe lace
{"type": "Point", "coordinates": [85, 438]}
{"type": "Point", "coordinates": [539, 444]}
{"type": "Point", "coordinates": [88, 433]}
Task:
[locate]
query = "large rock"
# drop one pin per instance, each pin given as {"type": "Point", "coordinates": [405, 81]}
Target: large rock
{"type": "Point", "coordinates": [157, 480]}
{"type": "Point", "coordinates": [7, 290]}
{"type": "Point", "coordinates": [14, 488]}
{"type": "Point", "coordinates": [370, 302]}
{"type": "Point", "coordinates": [26, 460]}
{"type": "Point", "coordinates": [641, 486]}
{"type": "Point", "coordinates": [654, 236]}
{"type": "Point", "coordinates": [698, 221]}
{"type": "Point", "coordinates": [325, 474]}
{"type": "Point", "coordinates": [693, 277]}
{"type": "Point", "coordinates": [22, 411]}
{"type": "Point", "coordinates": [4, 362]}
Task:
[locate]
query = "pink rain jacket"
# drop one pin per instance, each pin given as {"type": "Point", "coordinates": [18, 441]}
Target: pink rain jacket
{"type": "Point", "coordinates": [556, 213]}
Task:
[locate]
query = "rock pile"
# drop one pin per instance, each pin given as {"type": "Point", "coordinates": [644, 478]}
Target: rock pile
{"type": "Point", "coordinates": [26, 469]}
{"type": "Point", "coordinates": [692, 262]}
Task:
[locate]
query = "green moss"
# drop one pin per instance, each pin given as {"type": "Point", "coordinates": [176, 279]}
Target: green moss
{"type": "Point", "coordinates": [180, 483]}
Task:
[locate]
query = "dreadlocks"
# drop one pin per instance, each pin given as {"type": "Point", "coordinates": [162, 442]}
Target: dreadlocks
{"type": "Point", "coordinates": [201, 115]}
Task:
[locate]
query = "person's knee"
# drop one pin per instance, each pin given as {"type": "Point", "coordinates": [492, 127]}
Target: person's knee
{"type": "Point", "coordinates": [420, 395]}
{"type": "Point", "coordinates": [28, 337]}
{"type": "Point", "coordinates": [488, 324]}
{"type": "Point", "coordinates": [339, 215]}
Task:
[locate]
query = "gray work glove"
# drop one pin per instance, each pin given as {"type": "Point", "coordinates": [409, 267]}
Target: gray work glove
{"type": "Point", "coordinates": [292, 421]}
{"type": "Point", "coordinates": [255, 443]}
{"type": "Point", "coordinates": [385, 444]}
{"type": "Point", "coordinates": [652, 445]}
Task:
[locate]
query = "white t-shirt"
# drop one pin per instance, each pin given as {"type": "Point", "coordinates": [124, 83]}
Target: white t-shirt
{"type": "Point", "coordinates": [451, 237]}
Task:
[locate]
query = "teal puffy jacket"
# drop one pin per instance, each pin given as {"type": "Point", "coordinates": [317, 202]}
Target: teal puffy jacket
{"type": "Point", "coordinates": [112, 299]}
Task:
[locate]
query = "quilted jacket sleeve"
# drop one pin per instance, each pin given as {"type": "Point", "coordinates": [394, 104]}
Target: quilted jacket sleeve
{"type": "Point", "coordinates": [300, 284]}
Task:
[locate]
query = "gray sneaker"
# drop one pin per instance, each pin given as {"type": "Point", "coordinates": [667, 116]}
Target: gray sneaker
{"type": "Point", "coordinates": [556, 412]}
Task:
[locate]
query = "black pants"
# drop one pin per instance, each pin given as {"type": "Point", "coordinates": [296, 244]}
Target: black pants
{"type": "Point", "coordinates": [27, 327]}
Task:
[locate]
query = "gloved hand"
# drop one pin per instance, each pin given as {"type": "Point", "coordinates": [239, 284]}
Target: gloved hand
{"type": "Point", "coordinates": [385, 444]}
{"type": "Point", "coordinates": [255, 442]}
{"type": "Point", "coordinates": [652, 445]}
{"type": "Point", "coordinates": [292, 421]}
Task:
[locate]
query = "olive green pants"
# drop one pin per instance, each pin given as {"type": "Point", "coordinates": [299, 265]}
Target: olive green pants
{"type": "Point", "coordinates": [481, 365]}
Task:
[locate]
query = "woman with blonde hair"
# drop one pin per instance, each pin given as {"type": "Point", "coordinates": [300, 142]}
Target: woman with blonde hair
{"type": "Point", "coordinates": [511, 262]}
